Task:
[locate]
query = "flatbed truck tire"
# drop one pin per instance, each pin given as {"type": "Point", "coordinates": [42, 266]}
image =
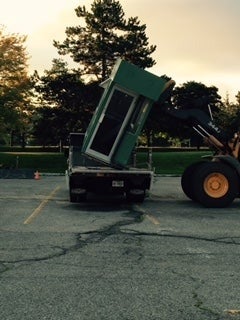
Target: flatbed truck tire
{"type": "Point", "coordinates": [78, 198]}
{"type": "Point", "coordinates": [215, 184]}
{"type": "Point", "coordinates": [73, 198]}
{"type": "Point", "coordinates": [138, 196]}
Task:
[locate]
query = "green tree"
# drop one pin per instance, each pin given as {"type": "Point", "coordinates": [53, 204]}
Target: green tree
{"type": "Point", "coordinates": [14, 85]}
{"type": "Point", "coordinates": [196, 95]}
{"type": "Point", "coordinates": [190, 95]}
{"type": "Point", "coordinates": [228, 118]}
{"type": "Point", "coordinates": [238, 98]}
{"type": "Point", "coordinates": [67, 103]}
{"type": "Point", "coordinates": [104, 36]}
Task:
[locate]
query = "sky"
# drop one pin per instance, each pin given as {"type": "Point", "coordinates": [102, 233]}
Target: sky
{"type": "Point", "coordinates": [197, 40]}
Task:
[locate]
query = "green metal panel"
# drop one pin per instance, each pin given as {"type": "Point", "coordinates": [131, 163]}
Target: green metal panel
{"type": "Point", "coordinates": [138, 80]}
{"type": "Point", "coordinates": [124, 150]}
{"type": "Point", "coordinates": [135, 126]}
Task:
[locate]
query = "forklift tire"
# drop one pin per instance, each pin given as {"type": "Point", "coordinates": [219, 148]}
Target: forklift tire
{"type": "Point", "coordinates": [215, 184]}
{"type": "Point", "coordinates": [187, 179]}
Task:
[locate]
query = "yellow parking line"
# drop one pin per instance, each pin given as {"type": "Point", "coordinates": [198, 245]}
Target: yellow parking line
{"type": "Point", "coordinates": [153, 219]}
{"type": "Point", "coordinates": [148, 215]}
{"type": "Point", "coordinates": [233, 312]}
{"type": "Point", "coordinates": [38, 210]}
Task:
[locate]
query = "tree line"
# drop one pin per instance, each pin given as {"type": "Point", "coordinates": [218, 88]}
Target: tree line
{"type": "Point", "coordinates": [44, 109]}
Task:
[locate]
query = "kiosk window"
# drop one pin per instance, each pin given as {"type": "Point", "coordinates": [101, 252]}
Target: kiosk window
{"type": "Point", "coordinates": [137, 115]}
{"type": "Point", "coordinates": [109, 129]}
{"type": "Point", "coordinates": [119, 105]}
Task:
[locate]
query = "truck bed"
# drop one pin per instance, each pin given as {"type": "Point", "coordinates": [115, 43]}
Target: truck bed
{"type": "Point", "coordinates": [105, 170]}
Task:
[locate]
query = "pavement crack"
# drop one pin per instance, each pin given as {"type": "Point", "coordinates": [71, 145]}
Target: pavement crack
{"type": "Point", "coordinates": [9, 262]}
{"type": "Point", "coordinates": [96, 236]}
{"type": "Point", "coordinates": [82, 240]}
{"type": "Point", "coordinates": [102, 234]}
{"type": "Point", "coordinates": [3, 268]}
{"type": "Point", "coordinates": [198, 300]}
{"type": "Point", "coordinates": [199, 304]}
{"type": "Point", "coordinates": [225, 240]}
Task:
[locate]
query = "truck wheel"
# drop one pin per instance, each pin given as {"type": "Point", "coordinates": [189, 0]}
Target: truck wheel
{"type": "Point", "coordinates": [136, 195]}
{"type": "Point", "coordinates": [215, 184]}
{"type": "Point", "coordinates": [187, 179]}
{"type": "Point", "coordinates": [73, 198]}
{"type": "Point", "coordinates": [77, 198]}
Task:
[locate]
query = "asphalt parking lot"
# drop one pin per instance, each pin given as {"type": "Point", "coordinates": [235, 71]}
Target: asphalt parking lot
{"type": "Point", "coordinates": [167, 258]}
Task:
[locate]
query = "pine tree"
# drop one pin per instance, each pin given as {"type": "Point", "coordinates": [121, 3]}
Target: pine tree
{"type": "Point", "coordinates": [104, 36]}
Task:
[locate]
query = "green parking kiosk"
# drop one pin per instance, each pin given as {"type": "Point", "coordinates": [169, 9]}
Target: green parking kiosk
{"type": "Point", "coordinates": [128, 96]}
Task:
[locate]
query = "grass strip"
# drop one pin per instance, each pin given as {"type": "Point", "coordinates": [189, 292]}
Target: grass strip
{"type": "Point", "coordinates": [162, 162]}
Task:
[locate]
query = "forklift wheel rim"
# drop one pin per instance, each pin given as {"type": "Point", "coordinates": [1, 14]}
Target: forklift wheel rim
{"type": "Point", "coordinates": [216, 185]}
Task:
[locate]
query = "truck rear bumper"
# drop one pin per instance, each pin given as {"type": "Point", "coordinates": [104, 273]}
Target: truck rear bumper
{"type": "Point", "coordinates": [133, 183]}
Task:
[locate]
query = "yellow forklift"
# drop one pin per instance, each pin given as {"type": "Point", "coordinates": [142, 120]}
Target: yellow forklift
{"type": "Point", "coordinates": [214, 181]}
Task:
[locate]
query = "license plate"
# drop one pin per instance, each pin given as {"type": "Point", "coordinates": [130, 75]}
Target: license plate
{"type": "Point", "coordinates": [118, 183]}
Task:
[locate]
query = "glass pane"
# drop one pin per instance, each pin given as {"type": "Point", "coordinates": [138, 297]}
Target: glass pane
{"type": "Point", "coordinates": [109, 128]}
{"type": "Point", "coordinates": [119, 104]}
{"type": "Point", "coordinates": [106, 136]}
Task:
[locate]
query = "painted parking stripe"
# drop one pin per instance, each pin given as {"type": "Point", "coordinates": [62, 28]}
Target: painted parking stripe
{"type": "Point", "coordinates": [148, 215]}
{"type": "Point", "coordinates": [153, 219]}
{"type": "Point", "coordinates": [39, 209]}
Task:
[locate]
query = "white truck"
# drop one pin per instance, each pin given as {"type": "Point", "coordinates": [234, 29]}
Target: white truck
{"type": "Point", "coordinates": [86, 176]}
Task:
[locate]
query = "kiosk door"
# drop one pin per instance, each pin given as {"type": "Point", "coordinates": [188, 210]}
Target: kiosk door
{"type": "Point", "coordinates": [111, 124]}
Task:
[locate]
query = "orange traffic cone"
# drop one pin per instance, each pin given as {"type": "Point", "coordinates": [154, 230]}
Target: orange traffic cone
{"type": "Point", "coordinates": [36, 175]}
